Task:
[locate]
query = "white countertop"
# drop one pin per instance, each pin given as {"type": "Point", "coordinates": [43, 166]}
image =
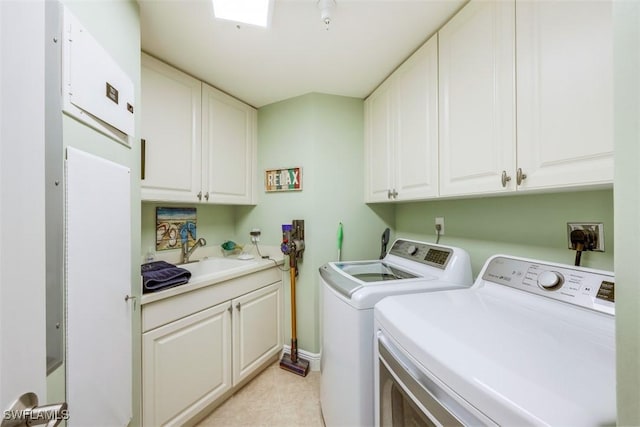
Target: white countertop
{"type": "Point", "coordinates": [213, 270]}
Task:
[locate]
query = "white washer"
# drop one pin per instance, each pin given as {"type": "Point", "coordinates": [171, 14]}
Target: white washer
{"type": "Point", "coordinates": [530, 343]}
{"type": "Point", "coordinates": [349, 292]}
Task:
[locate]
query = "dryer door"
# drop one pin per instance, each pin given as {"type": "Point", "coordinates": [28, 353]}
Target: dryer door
{"type": "Point", "coordinates": [407, 396]}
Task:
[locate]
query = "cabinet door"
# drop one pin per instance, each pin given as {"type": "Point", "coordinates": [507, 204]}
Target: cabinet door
{"type": "Point", "coordinates": [186, 366]}
{"type": "Point", "coordinates": [377, 146]}
{"type": "Point", "coordinates": [257, 329]}
{"type": "Point", "coordinates": [415, 86]}
{"type": "Point", "coordinates": [477, 104]}
{"type": "Point", "coordinates": [565, 92]}
{"type": "Point", "coordinates": [229, 148]}
{"type": "Point", "coordinates": [170, 112]}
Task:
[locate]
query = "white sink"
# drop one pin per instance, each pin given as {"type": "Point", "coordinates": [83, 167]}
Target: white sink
{"type": "Point", "coordinates": [209, 266]}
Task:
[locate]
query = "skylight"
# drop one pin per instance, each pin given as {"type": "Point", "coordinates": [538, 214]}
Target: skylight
{"type": "Point", "coordinates": [254, 12]}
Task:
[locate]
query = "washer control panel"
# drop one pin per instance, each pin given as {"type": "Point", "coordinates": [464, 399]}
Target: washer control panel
{"type": "Point", "coordinates": [576, 285]}
{"type": "Point", "coordinates": [435, 256]}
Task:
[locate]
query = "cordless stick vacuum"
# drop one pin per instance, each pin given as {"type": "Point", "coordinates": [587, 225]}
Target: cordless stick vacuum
{"type": "Point", "coordinates": [293, 245]}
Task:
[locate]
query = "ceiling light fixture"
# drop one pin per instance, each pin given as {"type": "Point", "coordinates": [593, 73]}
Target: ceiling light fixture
{"type": "Point", "coordinates": [253, 12]}
{"type": "Point", "coordinates": [326, 6]}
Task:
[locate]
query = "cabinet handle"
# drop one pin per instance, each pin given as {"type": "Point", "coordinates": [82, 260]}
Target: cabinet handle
{"type": "Point", "coordinates": [143, 157]}
{"type": "Point", "coordinates": [504, 179]}
{"type": "Point", "coordinates": [520, 176]}
{"type": "Point", "coordinates": [200, 195]}
{"type": "Point", "coordinates": [238, 306]}
{"type": "Point", "coordinates": [206, 196]}
{"type": "Point", "coordinates": [394, 194]}
{"type": "Point", "coordinates": [230, 309]}
{"type": "Point", "coordinates": [389, 193]}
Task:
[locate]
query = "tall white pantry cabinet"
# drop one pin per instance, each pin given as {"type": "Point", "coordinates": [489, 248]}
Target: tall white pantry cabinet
{"type": "Point", "coordinates": [199, 144]}
{"type": "Point", "coordinates": [525, 101]}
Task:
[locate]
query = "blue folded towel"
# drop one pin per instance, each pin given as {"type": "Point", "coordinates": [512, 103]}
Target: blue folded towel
{"type": "Point", "coordinates": [160, 275]}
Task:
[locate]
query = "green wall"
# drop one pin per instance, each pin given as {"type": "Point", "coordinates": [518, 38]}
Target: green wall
{"type": "Point", "coordinates": [627, 208]}
{"type": "Point", "coordinates": [533, 226]}
{"type": "Point", "coordinates": [216, 223]}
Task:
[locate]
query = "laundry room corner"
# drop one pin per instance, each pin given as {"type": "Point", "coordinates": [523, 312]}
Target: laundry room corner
{"type": "Point", "coordinates": [321, 134]}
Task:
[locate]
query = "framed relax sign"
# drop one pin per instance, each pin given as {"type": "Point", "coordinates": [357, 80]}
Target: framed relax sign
{"type": "Point", "coordinates": [283, 179]}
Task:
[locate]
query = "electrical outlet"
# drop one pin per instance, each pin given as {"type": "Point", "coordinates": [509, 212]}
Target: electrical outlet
{"type": "Point", "coordinates": [255, 235]}
{"type": "Point", "coordinates": [595, 229]}
{"type": "Point", "coordinates": [440, 222]}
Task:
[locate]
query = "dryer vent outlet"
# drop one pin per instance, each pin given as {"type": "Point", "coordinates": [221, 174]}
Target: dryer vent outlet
{"type": "Point", "coordinates": [593, 233]}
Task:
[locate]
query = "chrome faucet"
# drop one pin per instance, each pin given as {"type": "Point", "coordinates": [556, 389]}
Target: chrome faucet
{"type": "Point", "coordinates": [186, 252]}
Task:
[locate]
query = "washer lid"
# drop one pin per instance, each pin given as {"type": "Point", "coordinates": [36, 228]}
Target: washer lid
{"type": "Point", "coordinates": [516, 357]}
{"type": "Point", "coordinates": [374, 271]}
{"type": "Point", "coordinates": [350, 277]}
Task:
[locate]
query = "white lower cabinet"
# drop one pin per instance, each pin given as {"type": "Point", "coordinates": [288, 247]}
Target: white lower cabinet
{"type": "Point", "coordinates": [193, 362]}
{"type": "Point", "coordinates": [257, 330]}
{"type": "Point", "coordinates": [186, 366]}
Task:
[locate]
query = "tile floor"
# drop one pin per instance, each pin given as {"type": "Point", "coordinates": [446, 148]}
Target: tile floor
{"type": "Point", "coordinates": [275, 398]}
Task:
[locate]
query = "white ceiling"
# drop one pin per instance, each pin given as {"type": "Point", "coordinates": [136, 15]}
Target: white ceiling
{"type": "Point", "coordinates": [366, 41]}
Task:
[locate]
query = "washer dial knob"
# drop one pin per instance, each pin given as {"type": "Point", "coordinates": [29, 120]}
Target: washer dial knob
{"type": "Point", "coordinates": [550, 279]}
{"type": "Point", "coordinates": [411, 250]}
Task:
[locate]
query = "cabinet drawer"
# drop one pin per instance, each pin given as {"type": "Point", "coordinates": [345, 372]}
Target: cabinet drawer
{"type": "Point", "coordinates": [171, 309]}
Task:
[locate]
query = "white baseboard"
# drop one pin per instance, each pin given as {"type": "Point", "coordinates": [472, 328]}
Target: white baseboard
{"type": "Point", "coordinates": [313, 358]}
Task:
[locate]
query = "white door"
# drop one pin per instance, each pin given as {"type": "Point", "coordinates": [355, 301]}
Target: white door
{"type": "Point", "coordinates": [98, 283]}
{"type": "Point", "coordinates": [257, 329]}
{"type": "Point", "coordinates": [22, 203]}
{"type": "Point", "coordinates": [415, 87]}
{"type": "Point", "coordinates": [186, 366]}
{"type": "Point", "coordinates": [228, 148]}
{"type": "Point", "coordinates": [477, 104]}
{"type": "Point", "coordinates": [171, 132]}
{"type": "Point", "coordinates": [377, 146]}
{"type": "Point", "coordinates": [565, 93]}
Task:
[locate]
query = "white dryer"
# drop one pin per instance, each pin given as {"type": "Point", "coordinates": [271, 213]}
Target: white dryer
{"type": "Point", "coordinates": [349, 292]}
{"type": "Point", "coordinates": [530, 343]}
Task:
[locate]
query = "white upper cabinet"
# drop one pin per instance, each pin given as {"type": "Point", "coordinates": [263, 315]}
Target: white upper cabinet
{"type": "Point", "coordinates": [416, 131]}
{"type": "Point", "coordinates": [170, 115]}
{"type": "Point", "coordinates": [228, 148]}
{"type": "Point", "coordinates": [378, 145]}
{"type": "Point", "coordinates": [565, 93]}
{"type": "Point", "coordinates": [477, 104]}
{"type": "Point", "coordinates": [200, 144]}
{"type": "Point", "coordinates": [401, 131]}
{"type": "Point", "coordinates": [555, 129]}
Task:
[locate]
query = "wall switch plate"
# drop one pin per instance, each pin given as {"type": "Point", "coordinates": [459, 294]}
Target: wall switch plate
{"type": "Point", "coordinates": [595, 228]}
{"type": "Point", "coordinates": [440, 221]}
